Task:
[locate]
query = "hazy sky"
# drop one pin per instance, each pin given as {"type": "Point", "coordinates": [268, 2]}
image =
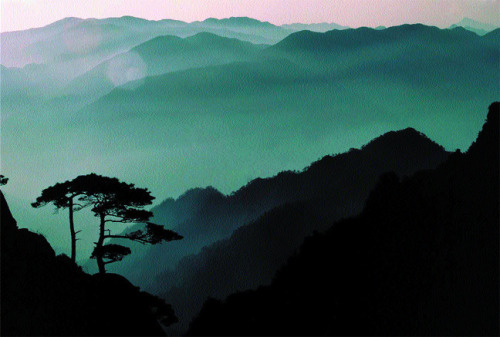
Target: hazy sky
{"type": "Point", "coordinates": [23, 14]}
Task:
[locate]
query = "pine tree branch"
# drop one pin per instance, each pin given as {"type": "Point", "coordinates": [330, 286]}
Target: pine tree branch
{"type": "Point", "coordinates": [109, 236]}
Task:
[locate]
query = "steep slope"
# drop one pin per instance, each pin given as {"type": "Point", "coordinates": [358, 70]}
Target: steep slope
{"type": "Point", "coordinates": [45, 294]}
{"type": "Point", "coordinates": [421, 259]}
{"type": "Point", "coordinates": [204, 216]}
{"type": "Point", "coordinates": [258, 249]}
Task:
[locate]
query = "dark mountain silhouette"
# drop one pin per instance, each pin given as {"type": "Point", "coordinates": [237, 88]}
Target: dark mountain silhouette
{"type": "Point", "coordinates": [178, 211]}
{"type": "Point", "coordinates": [421, 259]}
{"type": "Point", "coordinates": [201, 215]}
{"type": "Point", "coordinates": [315, 197]}
{"type": "Point", "coordinates": [45, 294]}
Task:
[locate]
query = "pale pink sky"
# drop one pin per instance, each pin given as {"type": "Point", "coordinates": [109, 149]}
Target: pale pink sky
{"type": "Point", "coordinates": [23, 14]}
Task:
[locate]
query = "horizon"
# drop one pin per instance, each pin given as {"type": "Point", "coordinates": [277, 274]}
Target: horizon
{"type": "Point", "coordinates": [314, 108]}
{"type": "Point", "coordinates": [32, 14]}
{"type": "Point", "coordinates": [237, 17]}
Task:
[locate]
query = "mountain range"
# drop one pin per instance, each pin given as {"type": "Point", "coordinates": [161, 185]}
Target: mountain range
{"type": "Point", "coordinates": [206, 114]}
{"type": "Point", "coordinates": [422, 258]}
{"type": "Point", "coordinates": [289, 103]}
{"type": "Point", "coordinates": [254, 230]}
{"type": "Point", "coordinates": [208, 104]}
{"type": "Point", "coordinates": [474, 26]}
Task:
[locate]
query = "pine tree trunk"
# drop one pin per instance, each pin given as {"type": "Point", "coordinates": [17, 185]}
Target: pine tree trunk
{"type": "Point", "coordinates": [100, 242]}
{"type": "Point", "coordinates": [72, 230]}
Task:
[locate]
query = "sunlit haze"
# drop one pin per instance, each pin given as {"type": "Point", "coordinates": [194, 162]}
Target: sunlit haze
{"type": "Point", "coordinates": [24, 14]}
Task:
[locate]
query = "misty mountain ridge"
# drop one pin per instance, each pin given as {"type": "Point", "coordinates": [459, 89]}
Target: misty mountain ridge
{"type": "Point", "coordinates": [205, 216]}
{"type": "Point", "coordinates": [314, 27]}
{"type": "Point", "coordinates": [331, 73]}
{"type": "Point", "coordinates": [238, 22]}
{"type": "Point", "coordinates": [70, 47]}
{"type": "Point", "coordinates": [335, 40]}
{"type": "Point", "coordinates": [250, 118]}
{"type": "Point", "coordinates": [160, 55]}
{"type": "Point", "coordinates": [60, 36]}
{"type": "Point", "coordinates": [475, 26]}
{"type": "Point", "coordinates": [394, 232]}
{"type": "Point", "coordinates": [422, 258]}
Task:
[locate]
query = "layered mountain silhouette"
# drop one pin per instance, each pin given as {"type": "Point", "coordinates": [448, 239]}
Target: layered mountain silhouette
{"type": "Point", "coordinates": [278, 213]}
{"type": "Point", "coordinates": [45, 294]}
{"type": "Point", "coordinates": [474, 26]}
{"type": "Point", "coordinates": [339, 75]}
{"type": "Point", "coordinates": [314, 27]}
{"type": "Point", "coordinates": [71, 37]}
{"type": "Point", "coordinates": [163, 54]}
{"type": "Point", "coordinates": [421, 259]}
{"type": "Point", "coordinates": [418, 49]}
{"type": "Point", "coordinates": [252, 117]}
{"type": "Point", "coordinates": [48, 59]}
{"type": "Point", "coordinates": [174, 105]}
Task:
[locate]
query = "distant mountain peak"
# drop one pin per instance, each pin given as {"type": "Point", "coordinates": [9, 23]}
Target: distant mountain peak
{"type": "Point", "coordinates": [240, 21]}
{"type": "Point", "coordinates": [409, 137]}
{"type": "Point", "coordinates": [476, 24]}
{"type": "Point", "coordinates": [477, 27]}
{"type": "Point", "coordinates": [315, 27]}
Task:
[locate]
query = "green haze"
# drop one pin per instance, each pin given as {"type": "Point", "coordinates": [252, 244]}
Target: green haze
{"type": "Point", "coordinates": [208, 110]}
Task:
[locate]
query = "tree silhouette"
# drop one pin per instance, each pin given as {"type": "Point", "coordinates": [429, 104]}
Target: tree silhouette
{"type": "Point", "coordinates": [63, 195]}
{"type": "Point", "coordinates": [118, 202]}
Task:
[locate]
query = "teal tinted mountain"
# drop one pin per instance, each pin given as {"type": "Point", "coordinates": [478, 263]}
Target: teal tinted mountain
{"type": "Point", "coordinates": [72, 37]}
{"type": "Point", "coordinates": [68, 48]}
{"type": "Point", "coordinates": [277, 212]}
{"type": "Point", "coordinates": [160, 55]}
{"type": "Point", "coordinates": [314, 27]}
{"type": "Point", "coordinates": [475, 26]}
{"type": "Point", "coordinates": [223, 125]}
{"type": "Point", "coordinates": [414, 48]}
{"type": "Point", "coordinates": [421, 259]}
{"type": "Point", "coordinates": [339, 76]}
{"type": "Point", "coordinates": [244, 28]}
